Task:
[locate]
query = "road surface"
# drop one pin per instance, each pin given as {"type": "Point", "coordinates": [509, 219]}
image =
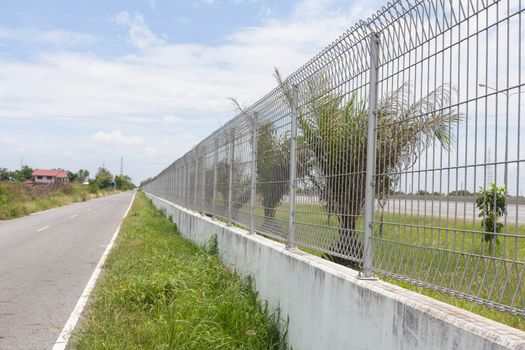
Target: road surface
{"type": "Point", "coordinates": [46, 260]}
{"type": "Point", "coordinates": [454, 209]}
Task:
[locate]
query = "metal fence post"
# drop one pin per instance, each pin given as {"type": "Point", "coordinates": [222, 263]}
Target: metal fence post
{"type": "Point", "coordinates": [230, 177]}
{"type": "Point", "coordinates": [180, 173]}
{"type": "Point", "coordinates": [203, 190]}
{"type": "Point", "coordinates": [368, 249]}
{"type": "Point", "coordinates": [215, 161]}
{"type": "Point", "coordinates": [293, 166]}
{"type": "Point", "coordinates": [180, 182]}
{"type": "Point", "coordinates": [196, 178]}
{"type": "Point", "coordinates": [253, 191]}
{"type": "Point", "coordinates": [186, 184]}
{"type": "Point", "coordinates": [174, 171]}
{"type": "Point", "coordinates": [177, 183]}
{"type": "Point", "coordinates": [170, 184]}
{"type": "Point", "coordinates": [165, 187]}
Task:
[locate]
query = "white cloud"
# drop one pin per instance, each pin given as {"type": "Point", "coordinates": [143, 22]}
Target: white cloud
{"type": "Point", "coordinates": [49, 37]}
{"type": "Point", "coordinates": [176, 138]}
{"type": "Point", "coordinates": [172, 95]}
{"type": "Point", "coordinates": [139, 34]}
{"type": "Point", "coordinates": [151, 151]}
{"type": "Point", "coordinates": [178, 79]}
{"type": "Point", "coordinates": [7, 141]}
{"type": "Point", "coordinates": [116, 137]}
{"type": "Point", "coordinates": [165, 79]}
{"type": "Point", "coordinates": [172, 119]}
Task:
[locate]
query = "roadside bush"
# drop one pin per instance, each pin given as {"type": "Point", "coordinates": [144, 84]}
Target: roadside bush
{"type": "Point", "coordinates": [93, 188]}
{"type": "Point", "coordinates": [123, 183]}
{"type": "Point", "coordinates": [67, 189]}
{"type": "Point", "coordinates": [19, 199]}
{"type": "Point", "coordinates": [104, 178]}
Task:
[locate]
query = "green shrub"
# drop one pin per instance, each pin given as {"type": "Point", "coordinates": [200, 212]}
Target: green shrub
{"type": "Point", "coordinates": [492, 205]}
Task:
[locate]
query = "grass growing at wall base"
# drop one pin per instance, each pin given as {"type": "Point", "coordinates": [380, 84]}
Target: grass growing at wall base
{"type": "Point", "coordinates": [160, 291]}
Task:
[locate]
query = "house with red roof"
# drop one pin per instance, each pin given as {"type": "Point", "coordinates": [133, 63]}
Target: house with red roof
{"type": "Point", "coordinates": [52, 176]}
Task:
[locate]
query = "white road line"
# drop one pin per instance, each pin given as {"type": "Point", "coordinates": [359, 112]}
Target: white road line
{"type": "Point", "coordinates": [63, 338]}
{"type": "Point", "coordinates": [73, 216]}
{"type": "Point", "coordinates": [89, 209]}
{"type": "Point", "coordinates": [43, 228]}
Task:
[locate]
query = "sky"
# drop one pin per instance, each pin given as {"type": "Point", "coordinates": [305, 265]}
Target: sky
{"type": "Point", "coordinates": [84, 83]}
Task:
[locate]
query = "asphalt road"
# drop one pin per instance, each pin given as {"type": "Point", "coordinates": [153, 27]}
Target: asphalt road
{"type": "Point", "coordinates": [439, 208]}
{"type": "Point", "coordinates": [46, 260]}
{"type": "Point", "coordinates": [454, 209]}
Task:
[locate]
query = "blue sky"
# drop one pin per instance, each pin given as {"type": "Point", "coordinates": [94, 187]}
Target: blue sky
{"type": "Point", "coordinates": [86, 82]}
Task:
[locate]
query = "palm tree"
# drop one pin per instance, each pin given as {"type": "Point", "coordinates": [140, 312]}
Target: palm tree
{"type": "Point", "coordinates": [240, 186]}
{"type": "Point", "coordinates": [272, 169]}
{"type": "Point", "coordinates": [334, 133]}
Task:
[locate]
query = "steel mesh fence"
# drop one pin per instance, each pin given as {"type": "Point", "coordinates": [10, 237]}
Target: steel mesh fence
{"type": "Point", "coordinates": [397, 150]}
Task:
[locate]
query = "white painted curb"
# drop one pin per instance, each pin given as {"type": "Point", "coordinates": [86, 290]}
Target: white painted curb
{"type": "Point", "coordinates": [63, 338]}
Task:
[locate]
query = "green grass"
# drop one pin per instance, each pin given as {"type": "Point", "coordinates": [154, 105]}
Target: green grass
{"type": "Point", "coordinates": [160, 291]}
{"type": "Point", "coordinates": [18, 199]}
{"type": "Point", "coordinates": [488, 272]}
{"type": "Point", "coordinates": [428, 249]}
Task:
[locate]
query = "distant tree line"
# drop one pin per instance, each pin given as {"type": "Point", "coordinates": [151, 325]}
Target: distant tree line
{"type": "Point", "coordinates": [21, 175]}
{"type": "Point", "coordinates": [81, 176]}
{"type": "Point", "coordinates": [103, 178]}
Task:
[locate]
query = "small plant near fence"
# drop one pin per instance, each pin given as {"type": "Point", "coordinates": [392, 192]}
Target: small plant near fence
{"type": "Point", "coordinates": [492, 205]}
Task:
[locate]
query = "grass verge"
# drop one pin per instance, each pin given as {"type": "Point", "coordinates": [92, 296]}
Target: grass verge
{"type": "Point", "coordinates": [445, 253]}
{"type": "Point", "coordinates": [160, 291]}
{"type": "Point", "coordinates": [18, 199]}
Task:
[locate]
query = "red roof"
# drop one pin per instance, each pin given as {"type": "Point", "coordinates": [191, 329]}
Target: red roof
{"type": "Point", "coordinates": [52, 172]}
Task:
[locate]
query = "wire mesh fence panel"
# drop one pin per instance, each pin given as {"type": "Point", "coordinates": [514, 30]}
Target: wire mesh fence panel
{"type": "Point", "coordinates": [208, 176]}
{"type": "Point", "coordinates": [427, 96]}
{"type": "Point", "coordinates": [272, 166]}
{"type": "Point", "coordinates": [332, 128]}
{"type": "Point", "coordinates": [199, 177]}
{"type": "Point", "coordinates": [187, 180]}
{"type": "Point", "coordinates": [448, 151]}
{"type": "Point", "coordinates": [241, 171]}
{"type": "Point", "coordinates": [222, 176]}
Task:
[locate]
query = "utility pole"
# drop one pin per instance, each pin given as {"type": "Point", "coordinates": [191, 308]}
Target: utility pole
{"type": "Point", "coordinates": [121, 165]}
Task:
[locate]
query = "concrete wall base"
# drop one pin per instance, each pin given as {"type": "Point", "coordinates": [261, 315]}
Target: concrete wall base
{"type": "Point", "coordinates": [328, 307]}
